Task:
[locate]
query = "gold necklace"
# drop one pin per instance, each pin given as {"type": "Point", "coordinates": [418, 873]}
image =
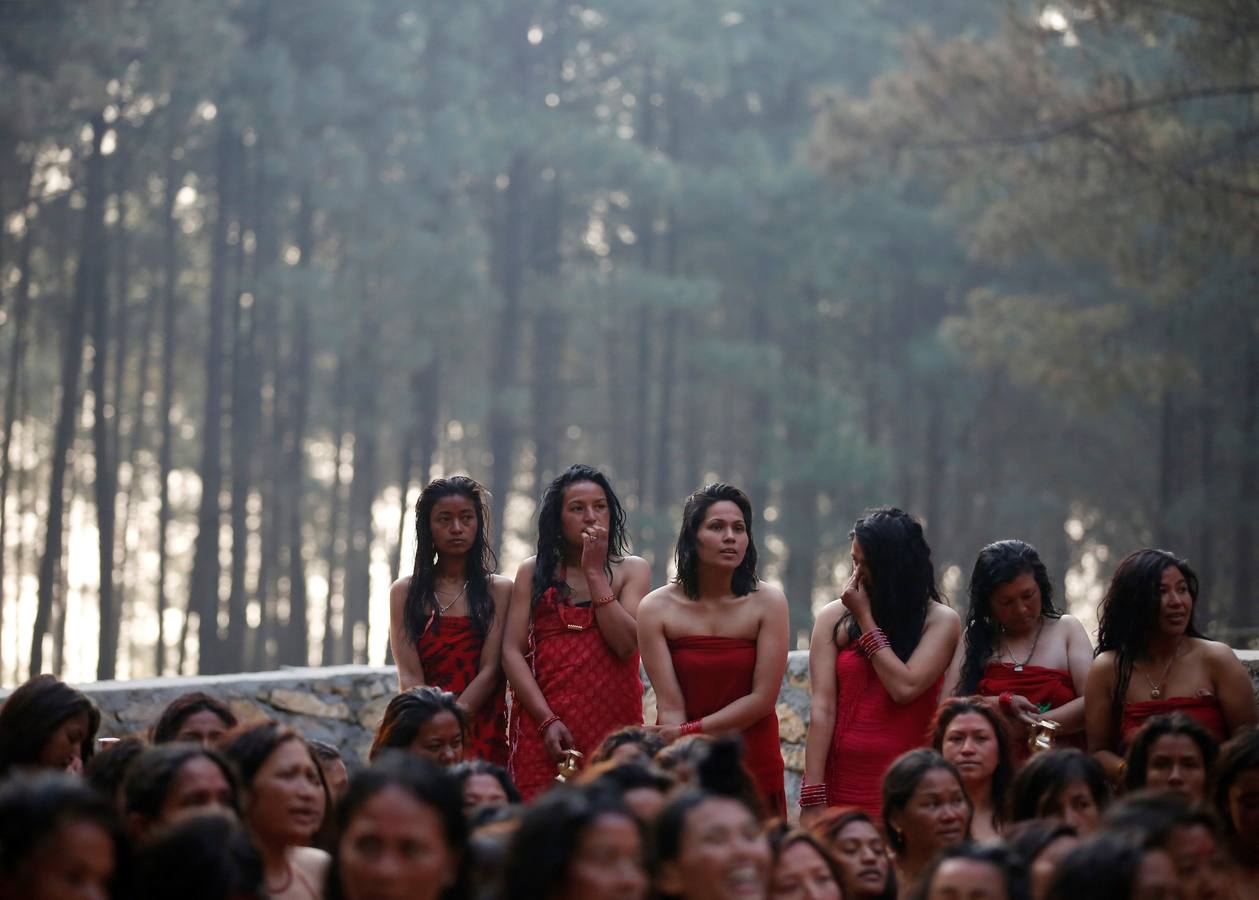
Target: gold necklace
{"type": "Point", "coordinates": [1156, 690]}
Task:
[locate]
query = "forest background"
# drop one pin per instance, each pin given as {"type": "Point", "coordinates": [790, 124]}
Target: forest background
{"type": "Point", "coordinates": [267, 266]}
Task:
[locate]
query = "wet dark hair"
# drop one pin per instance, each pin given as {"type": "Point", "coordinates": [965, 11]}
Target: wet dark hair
{"type": "Point", "coordinates": [1239, 755]}
{"type": "Point", "coordinates": [184, 707]}
{"type": "Point", "coordinates": [833, 821]}
{"type": "Point", "coordinates": [902, 779]}
{"type": "Point", "coordinates": [628, 777]}
{"type": "Point", "coordinates": [479, 562]}
{"type": "Point", "coordinates": [324, 751]}
{"type": "Point", "coordinates": [154, 774]}
{"type": "Point", "coordinates": [1129, 614]}
{"type": "Point", "coordinates": [429, 785]}
{"type": "Point", "coordinates": [249, 746]}
{"type": "Point", "coordinates": [648, 741]}
{"type": "Point", "coordinates": [782, 836]}
{"type": "Point", "coordinates": [540, 853]}
{"type": "Point", "coordinates": [999, 563]}
{"type": "Point", "coordinates": [1042, 779]}
{"type": "Point", "coordinates": [207, 856]}
{"type": "Point", "coordinates": [411, 709]}
{"type": "Point", "coordinates": [720, 774]}
{"type": "Point", "coordinates": [1011, 868]}
{"type": "Point", "coordinates": [744, 580]}
{"type": "Point", "coordinates": [1138, 756]}
{"type": "Point", "coordinates": [550, 550]}
{"type": "Point", "coordinates": [1101, 867]}
{"type": "Point", "coordinates": [902, 580]}
{"type": "Point", "coordinates": [1004, 773]}
{"type": "Point", "coordinates": [108, 769]}
{"type": "Point", "coordinates": [1152, 816]}
{"type": "Point", "coordinates": [32, 809]}
{"type": "Point", "coordinates": [32, 715]}
{"type": "Point", "coordinates": [461, 772]}
{"type": "Point", "coordinates": [683, 755]}
{"type": "Point", "coordinates": [1028, 839]}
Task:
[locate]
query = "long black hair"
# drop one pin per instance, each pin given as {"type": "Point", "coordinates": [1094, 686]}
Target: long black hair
{"type": "Point", "coordinates": [1007, 863]}
{"type": "Point", "coordinates": [744, 580]}
{"type": "Point", "coordinates": [999, 563]}
{"type": "Point", "coordinates": [183, 708]}
{"type": "Point", "coordinates": [32, 715]}
{"type": "Point", "coordinates": [550, 551]}
{"type": "Point", "coordinates": [408, 711]}
{"type": "Point", "coordinates": [902, 779]}
{"type": "Point", "coordinates": [902, 577]}
{"type": "Point", "coordinates": [479, 563]}
{"type": "Point", "coordinates": [1038, 786]}
{"type": "Point", "coordinates": [1004, 773]}
{"type": "Point", "coordinates": [1129, 614]}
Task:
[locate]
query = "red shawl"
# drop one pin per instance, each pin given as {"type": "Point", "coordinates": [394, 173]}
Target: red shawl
{"type": "Point", "coordinates": [1047, 688]}
{"type": "Point", "coordinates": [1205, 709]}
{"type": "Point", "coordinates": [450, 653]}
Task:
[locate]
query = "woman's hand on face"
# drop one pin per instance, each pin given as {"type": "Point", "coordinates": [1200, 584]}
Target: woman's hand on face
{"type": "Point", "coordinates": [557, 739]}
{"type": "Point", "coordinates": [594, 549]}
{"type": "Point", "coordinates": [855, 598]}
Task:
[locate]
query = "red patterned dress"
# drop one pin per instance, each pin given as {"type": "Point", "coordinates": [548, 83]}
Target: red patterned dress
{"type": "Point", "coordinates": [450, 653]}
{"type": "Point", "coordinates": [584, 683]}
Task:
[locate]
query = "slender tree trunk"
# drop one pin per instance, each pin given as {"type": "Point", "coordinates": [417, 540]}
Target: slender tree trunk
{"type": "Point", "coordinates": [1248, 483]}
{"type": "Point", "coordinates": [298, 630]}
{"type": "Point", "coordinates": [88, 273]}
{"type": "Point", "coordinates": [549, 337]}
{"type": "Point", "coordinates": [170, 272]}
{"type": "Point", "coordinates": [355, 634]}
{"type": "Point", "coordinates": [329, 651]}
{"type": "Point", "coordinates": [204, 590]}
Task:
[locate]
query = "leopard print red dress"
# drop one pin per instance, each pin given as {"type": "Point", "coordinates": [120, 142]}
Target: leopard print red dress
{"type": "Point", "coordinates": [450, 653]}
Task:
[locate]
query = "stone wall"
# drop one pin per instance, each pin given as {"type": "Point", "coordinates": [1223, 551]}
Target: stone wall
{"type": "Point", "coordinates": [343, 704]}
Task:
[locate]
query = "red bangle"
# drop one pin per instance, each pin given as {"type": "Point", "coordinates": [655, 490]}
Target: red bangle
{"type": "Point", "coordinates": [1006, 699]}
{"type": "Point", "coordinates": [547, 724]}
{"type": "Point", "coordinates": [695, 726]}
{"type": "Point", "coordinates": [872, 642]}
{"type": "Point", "coordinates": [813, 795]}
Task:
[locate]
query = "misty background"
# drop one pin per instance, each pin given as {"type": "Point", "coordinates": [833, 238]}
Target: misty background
{"type": "Point", "coordinates": [267, 266]}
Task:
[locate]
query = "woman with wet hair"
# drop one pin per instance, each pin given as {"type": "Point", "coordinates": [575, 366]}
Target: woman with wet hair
{"type": "Point", "coordinates": [1111, 865]}
{"type": "Point", "coordinates": [1019, 649]}
{"type": "Point", "coordinates": [858, 846]}
{"type": "Point", "coordinates": [107, 772]}
{"type": "Point", "coordinates": [424, 721]}
{"type": "Point", "coordinates": [876, 664]}
{"type": "Point", "coordinates": [801, 867]}
{"type": "Point", "coordinates": [972, 870]}
{"type": "Point", "coordinates": [206, 856]}
{"type": "Point", "coordinates": [171, 781]}
{"type": "Point", "coordinates": [46, 724]}
{"type": "Point", "coordinates": [58, 836]}
{"type": "Point", "coordinates": [1065, 785]}
{"type": "Point", "coordinates": [484, 785]}
{"type": "Point", "coordinates": [1235, 796]}
{"type": "Point", "coordinates": [570, 649]}
{"type": "Point", "coordinates": [969, 734]}
{"type": "Point", "coordinates": [194, 717]}
{"type": "Point", "coordinates": [575, 843]}
{"type": "Point", "coordinates": [1040, 845]}
{"type": "Point", "coordinates": [1152, 660]}
{"type": "Point", "coordinates": [401, 833]}
{"type": "Point", "coordinates": [1174, 753]}
{"type": "Point", "coordinates": [446, 617]}
{"type": "Point", "coordinates": [284, 799]}
{"type": "Point", "coordinates": [631, 744]}
{"type": "Point", "coordinates": [714, 642]}
{"type": "Point", "coordinates": [925, 810]}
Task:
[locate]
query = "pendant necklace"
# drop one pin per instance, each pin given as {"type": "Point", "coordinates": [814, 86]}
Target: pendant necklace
{"type": "Point", "coordinates": [1156, 690]}
{"type": "Point", "coordinates": [442, 609]}
{"type": "Point", "coordinates": [1018, 666]}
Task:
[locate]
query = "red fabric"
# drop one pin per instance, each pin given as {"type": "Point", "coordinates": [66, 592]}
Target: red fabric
{"type": "Point", "coordinates": [450, 653]}
{"type": "Point", "coordinates": [1047, 688]}
{"type": "Point", "coordinates": [592, 691]}
{"type": "Point", "coordinates": [871, 730]}
{"type": "Point", "coordinates": [713, 673]}
{"type": "Point", "coordinates": [1205, 709]}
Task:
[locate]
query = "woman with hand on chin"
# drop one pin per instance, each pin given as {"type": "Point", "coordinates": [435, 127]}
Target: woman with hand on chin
{"type": "Point", "coordinates": [876, 664]}
{"type": "Point", "coordinates": [714, 642]}
{"type": "Point", "coordinates": [570, 648]}
{"type": "Point", "coordinates": [1152, 660]}
{"type": "Point", "coordinates": [446, 618]}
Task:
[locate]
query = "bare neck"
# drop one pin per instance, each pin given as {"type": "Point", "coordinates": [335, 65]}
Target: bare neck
{"type": "Point", "coordinates": [450, 567]}
{"type": "Point", "coordinates": [714, 584]}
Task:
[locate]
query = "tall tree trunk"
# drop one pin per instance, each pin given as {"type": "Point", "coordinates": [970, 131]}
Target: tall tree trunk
{"type": "Point", "coordinates": [170, 278]}
{"type": "Point", "coordinates": [88, 273]}
{"type": "Point", "coordinates": [204, 588]}
{"type": "Point", "coordinates": [549, 336]}
{"type": "Point", "coordinates": [355, 635]}
{"type": "Point", "coordinates": [663, 498]}
{"type": "Point", "coordinates": [329, 651]}
{"type": "Point", "coordinates": [1248, 483]}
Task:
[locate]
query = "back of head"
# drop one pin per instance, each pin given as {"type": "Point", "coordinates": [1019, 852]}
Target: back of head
{"type": "Point", "coordinates": [1102, 867]}
{"type": "Point", "coordinates": [34, 712]}
{"type": "Point", "coordinates": [202, 857]}
{"type": "Point", "coordinates": [33, 808]}
{"type": "Point", "coordinates": [107, 772]}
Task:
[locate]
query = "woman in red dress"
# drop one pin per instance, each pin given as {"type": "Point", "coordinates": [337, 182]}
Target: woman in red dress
{"type": "Point", "coordinates": [1020, 651]}
{"type": "Point", "coordinates": [876, 664]}
{"type": "Point", "coordinates": [446, 618]}
{"type": "Point", "coordinates": [1152, 660]}
{"type": "Point", "coordinates": [570, 649]}
{"type": "Point", "coordinates": [714, 642]}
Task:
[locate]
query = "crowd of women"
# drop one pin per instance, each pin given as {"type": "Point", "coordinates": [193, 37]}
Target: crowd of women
{"type": "Point", "coordinates": [997, 757]}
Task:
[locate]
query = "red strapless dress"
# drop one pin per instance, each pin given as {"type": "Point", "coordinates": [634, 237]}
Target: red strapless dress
{"type": "Point", "coordinates": [871, 730]}
{"type": "Point", "coordinates": [1047, 688]}
{"type": "Point", "coordinates": [1206, 710]}
{"type": "Point", "coordinates": [713, 673]}
{"type": "Point", "coordinates": [450, 652]}
{"type": "Point", "coordinates": [592, 691]}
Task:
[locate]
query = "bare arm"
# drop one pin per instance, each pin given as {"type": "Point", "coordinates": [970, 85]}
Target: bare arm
{"type": "Point", "coordinates": [1232, 687]}
{"type": "Point", "coordinates": [616, 620]}
{"type": "Point", "coordinates": [482, 688]}
{"type": "Point", "coordinates": [1103, 743]}
{"type": "Point", "coordinates": [410, 672]}
{"type": "Point", "coordinates": [654, 646]}
{"type": "Point", "coordinates": [1079, 659]}
{"type": "Point", "coordinates": [953, 674]}
{"type": "Point", "coordinates": [822, 654]}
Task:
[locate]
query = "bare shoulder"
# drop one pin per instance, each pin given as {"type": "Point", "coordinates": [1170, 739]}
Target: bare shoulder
{"type": "Point", "coordinates": [1071, 624]}
{"type": "Point", "coordinates": [829, 614]}
{"type": "Point", "coordinates": [941, 615]}
{"type": "Point", "coordinates": [771, 594]}
{"type": "Point", "coordinates": [631, 566]}
{"type": "Point", "coordinates": [1103, 665]}
{"type": "Point", "coordinates": [500, 587]}
{"type": "Point", "coordinates": [657, 601]}
{"type": "Point", "coordinates": [398, 591]}
{"type": "Point", "coordinates": [525, 569]}
{"type": "Point", "coordinates": [1217, 653]}
{"type": "Point", "coordinates": [311, 861]}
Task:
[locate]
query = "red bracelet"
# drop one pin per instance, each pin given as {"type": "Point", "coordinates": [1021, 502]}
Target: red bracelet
{"type": "Point", "coordinates": [547, 724]}
{"type": "Point", "coordinates": [813, 795]}
{"type": "Point", "coordinates": [1006, 699]}
{"type": "Point", "coordinates": [872, 642]}
{"type": "Point", "coordinates": [695, 726]}
{"type": "Point", "coordinates": [603, 601]}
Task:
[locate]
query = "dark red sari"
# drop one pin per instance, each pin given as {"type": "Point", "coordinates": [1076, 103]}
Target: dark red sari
{"type": "Point", "coordinates": [584, 683]}
{"type": "Point", "coordinates": [1047, 688]}
{"type": "Point", "coordinates": [714, 672]}
{"type": "Point", "coordinates": [450, 652]}
{"type": "Point", "coordinates": [1206, 710]}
